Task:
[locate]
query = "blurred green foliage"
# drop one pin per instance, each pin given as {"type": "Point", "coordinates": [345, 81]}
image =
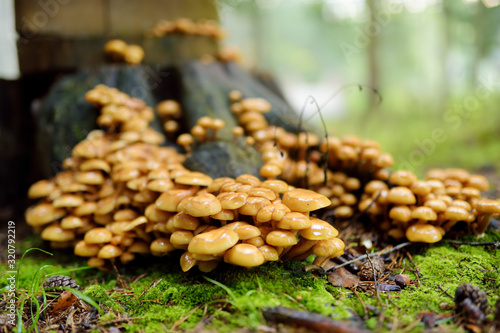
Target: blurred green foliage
{"type": "Point", "coordinates": [434, 62]}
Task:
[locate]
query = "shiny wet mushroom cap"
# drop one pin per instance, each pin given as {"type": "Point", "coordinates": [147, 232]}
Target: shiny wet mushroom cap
{"type": "Point", "coordinates": [245, 255]}
{"type": "Point", "coordinates": [425, 233]}
{"type": "Point", "coordinates": [213, 242]}
{"type": "Point", "coordinates": [301, 200]}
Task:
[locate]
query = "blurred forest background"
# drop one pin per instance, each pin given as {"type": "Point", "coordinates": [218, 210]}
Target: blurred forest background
{"type": "Point", "coordinates": [434, 63]}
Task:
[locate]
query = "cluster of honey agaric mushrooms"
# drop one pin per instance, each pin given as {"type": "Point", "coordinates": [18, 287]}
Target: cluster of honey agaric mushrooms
{"type": "Point", "coordinates": [185, 26]}
{"type": "Point", "coordinates": [124, 195]}
{"type": "Point", "coordinates": [116, 50]}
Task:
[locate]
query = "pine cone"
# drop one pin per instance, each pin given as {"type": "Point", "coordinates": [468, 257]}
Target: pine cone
{"type": "Point", "coordinates": [366, 270]}
{"type": "Point", "coordinates": [58, 281]}
{"type": "Point", "coordinates": [471, 303]}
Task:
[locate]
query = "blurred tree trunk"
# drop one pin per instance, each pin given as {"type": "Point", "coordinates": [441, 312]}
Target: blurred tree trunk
{"type": "Point", "coordinates": [479, 42]}
{"type": "Point", "coordinates": [373, 71]}
{"type": "Point", "coordinates": [446, 36]}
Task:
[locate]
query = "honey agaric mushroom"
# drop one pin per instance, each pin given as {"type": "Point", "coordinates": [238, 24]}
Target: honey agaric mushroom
{"type": "Point", "coordinates": [134, 54]}
{"type": "Point", "coordinates": [55, 233]}
{"type": "Point", "coordinates": [424, 214]}
{"type": "Point", "coordinates": [187, 261]}
{"type": "Point", "coordinates": [213, 242]}
{"type": "Point", "coordinates": [401, 195]}
{"type": "Point", "coordinates": [40, 189]}
{"type": "Point", "coordinates": [485, 209]}
{"type": "Point", "coordinates": [109, 251]}
{"type": "Point", "coordinates": [327, 249]}
{"type": "Point", "coordinates": [400, 213]}
{"type": "Point", "coordinates": [43, 213]}
{"type": "Point", "coordinates": [269, 252]}
{"type": "Point", "coordinates": [185, 221]}
{"type": "Point", "coordinates": [98, 236]}
{"type": "Point", "coordinates": [319, 230]}
{"type": "Point", "coordinates": [253, 205]}
{"type": "Point", "coordinates": [194, 178]}
{"type": "Point", "coordinates": [425, 233]}
{"type": "Point", "coordinates": [71, 222]}
{"type": "Point", "coordinates": [180, 239]}
{"type": "Point", "coordinates": [281, 238]}
{"type": "Point", "coordinates": [304, 201]}
{"type": "Point", "coordinates": [274, 211]}
{"type": "Point", "coordinates": [169, 200]}
{"type": "Point", "coordinates": [83, 249]}
{"type": "Point", "coordinates": [161, 247]}
{"type": "Point", "coordinates": [454, 214]}
{"type": "Point", "coordinates": [245, 255]}
{"type": "Point", "coordinates": [205, 204]}
{"type": "Point", "coordinates": [294, 221]}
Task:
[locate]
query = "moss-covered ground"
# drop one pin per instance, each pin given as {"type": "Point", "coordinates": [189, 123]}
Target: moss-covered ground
{"type": "Point", "coordinates": [158, 296]}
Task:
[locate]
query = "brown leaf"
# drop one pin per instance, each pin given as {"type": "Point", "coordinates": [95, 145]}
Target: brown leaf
{"type": "Point", "coordinates": [343, 278]}
{"type": "Point", "coordinates": [67, 299]}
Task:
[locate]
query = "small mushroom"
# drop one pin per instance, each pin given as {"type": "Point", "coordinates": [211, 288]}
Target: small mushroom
{"type": "Point", "coordinates": [55, 233]}
{"type": "Point", "coordinates": [213, 242]}
{"type": "Point", "coordinates": [304, 201]}
{"type": "Point", "coordinates": [485, 209]}
{"type": "Point", "coordinates": [425, 233]}
{"type": "Point", "coordinates": [245, 255]}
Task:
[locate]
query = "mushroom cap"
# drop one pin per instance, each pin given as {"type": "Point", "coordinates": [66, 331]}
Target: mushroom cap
{"type": "Point", "coordinates": [425, 233]}
{"type": "Point", "coordinates": [420, 187]}
{"type": "Point", "coordinates": [319, 230]}
{"type": "Point", "coordinates": [243, 229]}
{"type": "Point", "coordinates": [185, 221]}
{"type": "Point", "coordinates": [68, 200]}
{"type": "Point", "coordinates": [256, 104]}
{"type": "Point", "coordinates": [224, 215]}
{"type": "Point", "coordinates": [374, 186]}
{"type": "Point", "coordinates": [329, 247]}
{"type": "Point", "coordinates": [248, 180]}
{"type": "Point", "coordinates": [478, 181]}
{"type": "Point", "coordinates": [218, 182]}
{"type": "Point", "coordinates": [436, 204]}
{"type": "Point", "coordinates": [204, 204]}
{"type": "Point", "coordinates": [245, 255]}
{"type": "Point", "coordinates": [302, 200]}
{"type": "Point", "coordinates": [86, 208]}
{"type": "Point", "coordinates": [213, 242]}
{"type": "Point", "coordinates": [400, 213]}
{"type": "Point", "coordinates": [187, 261]}
{"type": "Point", "coordinates": [278, 186]}
{"type": "Point", "coordinates": [262, 192]}
{"type": "Point", "coordinates": [71, 222]}
{"type": "Point", "coordinates": [95, 164]}
{"type": "Point", "coordinates": [83, 249]}
{"type": "Point", "coordinates": [294, 221]}
{"type": "Point", "coordinates": [43, 213]}
{"type": "Point", "coordinates": [161, 246]}
{"type": "Point", "coordinates": [275, 211]}
{"type": "Point", "coordinates": [89, 177]}
{"type": "Point", "coordinates": [402, 178]}
{"type": "Point", "coordinates": [181, 238]}
{"type": "Point", "coordinates": [232, 200]}
{"type": "Point", "coordinates": [140, 247]}
{"type": "Point", "coordinates": [154, 214]}
{"type": "Point", "coordinates": [98, 236]}
{"type": "Point", "coordinates": [401, 195]}
{"type": "Point", "coordinates": [488, 206]}
{"type": "Point", "coordinates": [424, 213]}
{"type": "Point", "coordinates": [456, 213]}
{"type": "Point", "coordinates": [281, 238]}
{"type": "Point", "coordinates": [269, 253]}
{"type": "Point", "coordinates": [169, 200]}
{"type": "Point", "coordinates": [194, 178]}
{"type": "Point", "coordinates": [160, 185]}
{"type": "Point", "coordinates": [55, 233]}
{"type": "Point", "coordinates": [253, 205]}
{"type": "Point", "coordinates": [40, 189]}
{"type": "Point", "coordinates": [109, 251]}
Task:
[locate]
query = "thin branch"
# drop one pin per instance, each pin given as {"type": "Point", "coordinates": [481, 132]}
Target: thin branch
{"type": "Point", "coordinates": [495, 244]}
{"type": "Point", "coordinates": [370, 255]}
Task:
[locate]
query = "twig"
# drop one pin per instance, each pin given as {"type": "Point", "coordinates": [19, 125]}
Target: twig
{"type": "Point", "coordinates": [416, 268]}
{"type": "Point", "coordinates": [445, 291]}
{"type": "Point", "coordinates": [495, 244]}
{"type": "Point", "coordinates": [183, 319]}
{"type": "Point", "coordinates": [152, 285]}
{"type": "Point", "coordinates": [375, 282]}
{"type": "Point", "coordinates": [365, 256]}
{"type": "Point", "coordinates": [390, 300]}
{"type": "Point", "coordinates": [365, 311]}
{"type": "Point", "coordinates": [119, 320]}
{"type": "Point", "coordinates": [395, 321]}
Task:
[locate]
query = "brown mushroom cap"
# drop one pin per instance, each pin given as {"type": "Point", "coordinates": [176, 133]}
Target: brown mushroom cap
{"type": "Point", "coordinates": [262, 192]}
{"type": "Point", "coordinates": [488, 206]}
{"type": "Point", "coordinates": [187, 261]}
{"type": "Point", "coordinates": [245, 255]}
{"type": "Point", "coordinates": [294, 221]}
{"type": "Point", "coordinates": [478, 181]}
{"type": "Point", "coordinates": [109, 251]}
{"type": "Point", "coordinates": [55, 233]}
{"type": "Point", "coordinates": [401, 195]}
{"type": "Point", "coordinates": [71, 222]}
{"type": "Point", "coordinates": [253, 205]}
{"type": "Point", "coordinates": [41, 188]}
{"type": "Point", "coordinates": [181, 238]}
{"type": "Point", "coordinates": [436, 204]}
{"type": "Point", "coordinates": [89, 177]}
{"type": "Point", "coordinates": [204, 204]}
{"type": "Point", "coordinates": [424, 213]}
{"type": "Point", "coordinates": [231, 200]}
{"type": "Point", "coordinates": [43, 213]}
{"type": "Point", "coordinates": [169, 200]}
{"type": "Point", "coordinates": [185, 221]}
{"type": "Point", "coordinates": [269, 253]}
{"type": "Point", "coordinates": [278, 186]}
{"type": "Point", "coordinates": [98, 236]}
{"type": "Point", "coordinates": [402, 178]}
{"type": "Point", "coordinates": [400, 213]}
{"type": "Point", "coordinates": [213, 242]}
{"type": "Point", "coordinates": [319, 230]}
{"type": "Point", "coordinates": [194, 178]}
{"type": "Point", "coordinates": [425, 233]}
{"type": "Point", "coordinates": [248, 180]}
{"type": "Point", "coordinates": [329, 247]}
{"type": "Point", "coordinates": [456, 213]}
{"type": "Point", "coordinates": [161, 246]}
{"type": "Point", "coordinates": [83, 249]}
{"type": "Point", "coordinates": [275, 211]}
{"type": "Point", "coordinates": [68, 200]}
{"type": "Point", "coordinates": [302, 200]}
{"type": "Point", "coordinates": [281, 238]}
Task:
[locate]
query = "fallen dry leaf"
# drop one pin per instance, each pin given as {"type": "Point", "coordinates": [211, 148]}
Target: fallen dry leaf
{"type": "Point", "coordinates": [67, 299]}
{"type": "Point", "coordinates": [343, 278]}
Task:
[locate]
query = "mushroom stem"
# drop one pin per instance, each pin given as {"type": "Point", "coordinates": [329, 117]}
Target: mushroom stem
{"type": "Point", "coordinates": [482, 224]}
